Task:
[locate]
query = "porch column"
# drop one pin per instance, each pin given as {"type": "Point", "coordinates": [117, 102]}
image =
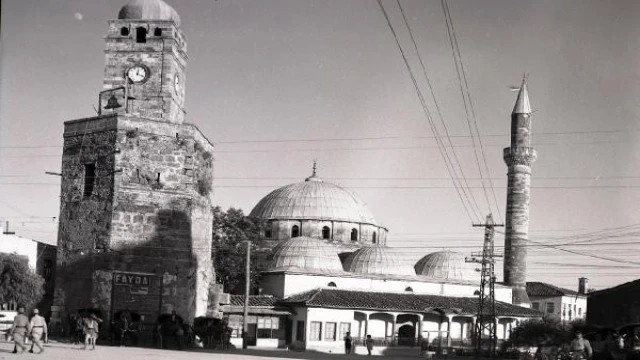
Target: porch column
{"type": "Point", "coordinates": [366, 325]}
{"type": "Point", "coordinates": [449, 323]}
{"type": "Point", "coordinates": [496, 323]}
{"type": "Point", "coordinates": [393, 327]}
{"type": "Point", "coordinates": [419, 326]}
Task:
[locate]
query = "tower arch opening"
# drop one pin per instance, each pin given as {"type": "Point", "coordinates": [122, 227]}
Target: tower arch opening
{"type": "Point", "coordinates": [141, 35]}
{"type": "Point", "coordinates": [326, 232]}
{"type": "Point", "coordinates": [354, 234]}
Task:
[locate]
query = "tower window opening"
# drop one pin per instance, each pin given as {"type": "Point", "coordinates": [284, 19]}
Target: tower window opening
{"type": "Point", "coordinates": [158, 179]}
{"type": "Point", "coordinates": [89, 179]}
{"type": "Point", "coordinates": [374, 238]}
{"type": "Point", "coordinates": [332, 284]}
{"type": "Point", "coordinates": [157, 32]}
{"type": "Point", "coordinates": [141, 35]}
{"type": "Point", "coordinates": [326, 232]}
{"type": "Point", "coordinates": [124, 31]}
{"type": "Point", "coordinates": [295, 231]}
{"type": "Point", "coordinates": [354, 235]}
{"type": "Point", "coordinates": [267, 233]}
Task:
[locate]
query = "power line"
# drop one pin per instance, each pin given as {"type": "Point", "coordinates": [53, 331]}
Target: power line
{"type": "Point", "coordinates": [453, 39]}
{"type": "Point", "coordinates": [438, 110]}
{"type": "Point", "coordinates": [462, 193]}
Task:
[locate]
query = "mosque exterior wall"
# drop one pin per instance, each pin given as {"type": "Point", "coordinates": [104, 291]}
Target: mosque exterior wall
{"type": "Point", "coordinates": [339, 231]}
{"type": "Point", "coordinates": [284, 284]}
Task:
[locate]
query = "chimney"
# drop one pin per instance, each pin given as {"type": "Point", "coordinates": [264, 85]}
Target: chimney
{"type": "Point", "coordinates": [583, 285]}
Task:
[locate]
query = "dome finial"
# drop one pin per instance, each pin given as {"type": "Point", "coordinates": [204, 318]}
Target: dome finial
{"type": "Point", "coordinates": [313, 176]}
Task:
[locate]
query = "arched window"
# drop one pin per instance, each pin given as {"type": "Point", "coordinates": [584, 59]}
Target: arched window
{"type": "Point", "coordinates": [157, 32]}
{"type": "Point", "coordinates": [354, 235]}
{"type": "Point", "coordinates": [332, 284]}
{"type": "Point", "coordinates": [409, 289]}
{"type": "Point", "coordinates": [295, 231]}
{"type": "Point", "coordinates": [141, 35]}
{"type": "Point", "coordinates": [326, 232]}
{"type": "Point", "coordinates": [374, 238]}
{"type": "Point", "coordinates": [124, 31]}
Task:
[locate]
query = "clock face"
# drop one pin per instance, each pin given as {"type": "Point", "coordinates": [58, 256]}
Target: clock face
{"type": "Point", "coordinates": [137, 74]}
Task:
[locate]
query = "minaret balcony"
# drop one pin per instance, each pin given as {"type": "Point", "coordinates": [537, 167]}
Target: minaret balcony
{"type": "Point", "coordinates": [519, 156]}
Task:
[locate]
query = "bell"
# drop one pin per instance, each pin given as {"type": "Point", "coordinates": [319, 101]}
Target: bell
{"type": "Point", "coordinates": [113, 103]}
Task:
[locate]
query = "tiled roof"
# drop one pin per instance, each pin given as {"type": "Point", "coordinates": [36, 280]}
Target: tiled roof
{"type": "Point", "coordinates": [254, 300]}
{"type": "Point", "coordinates": [346, 299]}
{"type": "Point", "coordinates": [544, 289]}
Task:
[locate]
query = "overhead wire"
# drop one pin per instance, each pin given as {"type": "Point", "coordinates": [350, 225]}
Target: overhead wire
{"type": "Point", "coordinates": [459, 64]}
{"type": "Point", "coordinates": [468, 206]}
{"type": "Point", "coordinates": [464, 181]}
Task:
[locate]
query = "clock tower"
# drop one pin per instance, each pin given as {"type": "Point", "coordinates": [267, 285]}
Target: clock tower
{"type": "Point", "coordinates": [136, 184]}
{"type": "Point", "coordinates": [146, 52]}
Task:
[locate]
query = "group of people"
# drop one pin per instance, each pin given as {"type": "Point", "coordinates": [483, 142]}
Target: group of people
{"type": "Point", "coordinates": [349, 346]}
{"type": "Point", "coordinates": [85, 326]}
{"type": "Point", "coordinates": [24, 328]}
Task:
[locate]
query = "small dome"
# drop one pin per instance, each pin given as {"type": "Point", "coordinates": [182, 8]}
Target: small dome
{"type": "Point", "coordinates": [305, 253]}
{"type": "Point", "coordinates": [376, 260]}
{"type": "Point", "coordinates": [149, 10]}
{"type": "Point", "coordinates": [313, 199]}
{"type": "Point", "coordinates": [447, 265]}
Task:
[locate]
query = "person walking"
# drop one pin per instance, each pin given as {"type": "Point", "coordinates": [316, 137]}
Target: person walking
{"type": "Point", "coordinates": [20, 329]}
{"type": "Point", "coordinates": [369, 343]}
{"type": "Point", "coordinates": [38, 330]}
{"type": "Point", "coordinates": [91, 323]}
{"type": "Point", "coordinates": [347, 343]}
{"type": "Point", "coordinates": [580, 347]}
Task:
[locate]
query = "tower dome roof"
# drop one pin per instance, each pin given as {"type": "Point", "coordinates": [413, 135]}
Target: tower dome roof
{"type": "Point", "coordinates": [149, 10]}
{"type": "Point", "coordinates": [376, 260]}
{"type": "Point", "coordinates": [447, 265]}
{"type": "Point", "coordinates": [313, 199]}
{"type": "Point", "coordinates": [305, 253]}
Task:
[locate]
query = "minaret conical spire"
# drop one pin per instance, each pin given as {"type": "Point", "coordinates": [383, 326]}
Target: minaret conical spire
{"type": "Point", "coordinates": [522, 102]}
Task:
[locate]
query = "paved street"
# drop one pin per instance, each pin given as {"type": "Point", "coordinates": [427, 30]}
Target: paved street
{"type": "Point", "coordinates": [61, 351]}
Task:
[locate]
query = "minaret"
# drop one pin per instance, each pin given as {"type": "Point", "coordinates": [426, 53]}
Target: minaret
{"type": "Point", "coordinates": [519, 157]}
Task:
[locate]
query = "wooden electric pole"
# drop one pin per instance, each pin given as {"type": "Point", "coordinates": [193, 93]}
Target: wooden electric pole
{"type": "Point", "coordinates": [245, 321]}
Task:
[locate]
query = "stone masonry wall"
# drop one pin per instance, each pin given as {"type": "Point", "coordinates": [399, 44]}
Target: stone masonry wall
{"type": "Point", "coordinates": [151, 213]}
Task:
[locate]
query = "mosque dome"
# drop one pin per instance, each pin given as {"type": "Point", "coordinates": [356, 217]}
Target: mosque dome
{"type": "Point", "coordinates": [149, 10]}
{"type": "Point", "coordinates": [376, 260]}
{"type": "Point", "coordinates": [305, 253]}
{"type": "Point", "coordinates": [447, 265]}
{"type": "Point", "coordinates": [313, 199]}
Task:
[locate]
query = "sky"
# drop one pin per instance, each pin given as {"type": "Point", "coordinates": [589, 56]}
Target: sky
{"type": "Point", "coordinates": [276, 84]}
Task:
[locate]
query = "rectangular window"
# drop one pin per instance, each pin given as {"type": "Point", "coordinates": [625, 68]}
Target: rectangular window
{"type": "Point", "coordinates": [300, 330]}
{"type": "Point", "coordinates": [535, 306]}
{"type": "Point", "coordinates": [579, 311]}
{"type": "Point", "coordinates": [89, 179]}
{"type": "Point", "coordinates": [344, 329]}
{"type": "Point", "coordinates": [551, 308]}
{"type": "Point", "coordinates": [315, 332]}
{"type": "Point", "coordinates": [330, 331]}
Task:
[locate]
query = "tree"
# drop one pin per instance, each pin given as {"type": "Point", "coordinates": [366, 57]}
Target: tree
{"type": "Point", "coordinates": [230, 231]}
{"type": "Point", "coordinates": [18, 282]}
{"type": "Point", "coordinates": [550, 331]}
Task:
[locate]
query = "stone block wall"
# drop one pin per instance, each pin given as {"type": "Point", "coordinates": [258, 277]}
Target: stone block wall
{"type": "Point", "coordinates": [149, 213]}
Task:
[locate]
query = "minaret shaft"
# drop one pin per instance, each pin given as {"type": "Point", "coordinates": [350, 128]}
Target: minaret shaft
{"type": "Point", "coordinates": [519, 158]}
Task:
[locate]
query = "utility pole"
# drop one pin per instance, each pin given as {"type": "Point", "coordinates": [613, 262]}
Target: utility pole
{"type": "Point", "coordinates": [245, 322]}
{"type": "Point", "coordinates": [486, 316]}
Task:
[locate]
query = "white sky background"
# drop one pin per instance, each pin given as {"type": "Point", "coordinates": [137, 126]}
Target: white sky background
{"type": "Point", "coordinates": [302, 70]}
